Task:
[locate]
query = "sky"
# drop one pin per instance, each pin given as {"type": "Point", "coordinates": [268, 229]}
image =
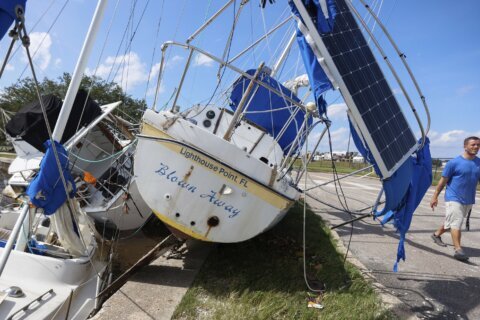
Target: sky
{"type": "Point", "coordinates": [440, 39]}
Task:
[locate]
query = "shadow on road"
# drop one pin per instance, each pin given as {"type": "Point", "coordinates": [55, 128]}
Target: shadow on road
{"type": "Point", "coordinates": [460, 294]}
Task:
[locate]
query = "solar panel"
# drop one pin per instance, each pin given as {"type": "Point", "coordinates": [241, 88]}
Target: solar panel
{"type": "Point", "coordinates": [372, 96]}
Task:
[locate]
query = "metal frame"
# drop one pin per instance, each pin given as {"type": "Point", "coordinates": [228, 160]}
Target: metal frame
{"type": "Point", "coordinates": [346, 94]}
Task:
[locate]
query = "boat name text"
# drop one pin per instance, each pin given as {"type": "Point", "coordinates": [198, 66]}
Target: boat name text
{"type": "Point", "coordinates": [211, 166]}
{"type": "Point", "coordinates": [171, 176]}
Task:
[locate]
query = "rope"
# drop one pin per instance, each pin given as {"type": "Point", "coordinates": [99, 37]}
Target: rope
{"type": "Point", "coordinates": [124, 150]}
{"type": "Point", "coordinates": [305, 212]}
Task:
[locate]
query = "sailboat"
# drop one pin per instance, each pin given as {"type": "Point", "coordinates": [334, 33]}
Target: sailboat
{"type": "Point", "coordinates": [222, 169]}
{"type": "Point", "coordinates": [67, 184]}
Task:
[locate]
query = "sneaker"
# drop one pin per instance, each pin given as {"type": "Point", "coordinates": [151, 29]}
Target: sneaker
{"type": "Point", "coordinates": [438, 240]}
{"type": "Point", "coordinates": [460, 255]}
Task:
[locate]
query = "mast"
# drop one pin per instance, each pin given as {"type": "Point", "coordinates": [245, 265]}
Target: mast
{"type": "Point", "coordinates": [79, 69]}
{"type": "Point", "coordinates": [284, 55]}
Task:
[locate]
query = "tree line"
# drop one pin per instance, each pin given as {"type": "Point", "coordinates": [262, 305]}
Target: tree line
{"type": "Point", "coordinates": [23, 92]}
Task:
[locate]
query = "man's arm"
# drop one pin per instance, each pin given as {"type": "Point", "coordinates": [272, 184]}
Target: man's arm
{"type": "Point", "coordinates": [441, 184]}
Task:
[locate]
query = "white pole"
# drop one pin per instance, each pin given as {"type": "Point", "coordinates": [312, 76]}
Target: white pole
{"type": "Point", "coordinates": [79, 69]}
{"type": "Point", "coordinates": [284, 54]}
{"type": "Point", "coordinates": [13, 237]}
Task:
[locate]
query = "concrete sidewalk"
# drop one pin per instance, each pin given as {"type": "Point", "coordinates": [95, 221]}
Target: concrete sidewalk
{"type": "Point", "coordinates": [155, 291]}
{"type": "Point", "coordinates": [431, 283]}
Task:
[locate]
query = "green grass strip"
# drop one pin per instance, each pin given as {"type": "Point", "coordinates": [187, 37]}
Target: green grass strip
{"type": "Point", "coordinates": [263, 278]}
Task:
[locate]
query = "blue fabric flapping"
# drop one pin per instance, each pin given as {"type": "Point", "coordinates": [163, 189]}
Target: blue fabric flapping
{"type": "Point", "coordinates": [420, 181]}
{"type": "Point", "coordinates": [396, 186]}
{"type": "Point", "coordinates": [7, 14]}
{"type": "Point", "coordinates": [403, 190]}
{"type": "Point", "coordinates": [319, 81]}
{"type": "Point", "coordinates": [269, 110]}
{"type": "Point", "coordinates": [46, 190]}
{"type": "Point", "coordinates": [362, 147]}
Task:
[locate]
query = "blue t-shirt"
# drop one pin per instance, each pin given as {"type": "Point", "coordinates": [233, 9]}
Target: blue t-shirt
{"type": "Point", "coordinates": [463, 176]}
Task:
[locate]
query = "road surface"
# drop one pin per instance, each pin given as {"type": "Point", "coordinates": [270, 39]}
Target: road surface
{"type": "Point", "coordinates": [430, 282]}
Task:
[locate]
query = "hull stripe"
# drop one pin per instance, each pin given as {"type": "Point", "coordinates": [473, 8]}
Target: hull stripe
{"type": "Point", "coordinates": [254, 187]}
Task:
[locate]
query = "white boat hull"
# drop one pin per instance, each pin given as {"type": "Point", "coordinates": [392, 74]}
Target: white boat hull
{"type": "Point", "coordinates": [36, 275]}
{"type": "Point", "coordinates": [200, 196]}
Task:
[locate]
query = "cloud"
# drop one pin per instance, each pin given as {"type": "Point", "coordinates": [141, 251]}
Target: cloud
{"type": "Point", "coordinates": [154, 71]}
{"type": "Point", "coordinates": [448, 138]}
{"type": "Point", "coordinates": [58, 62]}
{"type": "Point", "coordinates": [202, 60]}
{"type": "Point", "coordinates": [174, 61]}
{"type": "Point", "coordinates": [397, 91]}
{"type": "Point", "coordinates": [169, 64]}
{"type": "Point", "coordinates": [9, 67]}
{"type": "Point", "coordinates": [448, 144]}
{"type": "Point", "coordinates": [152, 88]}
{"type": "Point", "coordinates": [337, 111]}
{"type": "Point", "coordinates": [462, 91]}
{"type": "Point", "coordinates": [40, 43]}
{"type": "Point", "coordinates": [339, 138]}
{"type": "Point", "coordinates": [128, 70]}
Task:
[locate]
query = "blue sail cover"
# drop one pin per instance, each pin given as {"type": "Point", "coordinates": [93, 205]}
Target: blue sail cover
{"type": "Point", "coordinates": [269, 110]}
{"type": "Point", "coordinates": [46, 190]}
{"type": "Point", "coordinates": [420, 181]}
{"type": "Point", "coordinates": [403, 190]}
{"type": "Point", "coordinates": [7, 14]}
{"type": "Point", "coordinates": [396, 186]}
{"type": "Point", "coordinates": [319, 81]}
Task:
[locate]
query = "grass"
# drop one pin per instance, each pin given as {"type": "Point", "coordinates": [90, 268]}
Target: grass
{"type": "Point", "coordinates": [348, 167]}
{"type": "Point", "coordinates": [263, 278]}
{"type": "Point", "coordinates": [342, 167]}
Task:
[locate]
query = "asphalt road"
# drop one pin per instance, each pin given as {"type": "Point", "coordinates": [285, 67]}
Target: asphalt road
{"type": "Point", "coordinates": [430, 282]}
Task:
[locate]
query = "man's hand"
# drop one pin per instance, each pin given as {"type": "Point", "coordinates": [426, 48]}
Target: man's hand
{"type": "Point", "coordinates": [433, 203]}
{"type": "Point", "coordinates": [441, 184]}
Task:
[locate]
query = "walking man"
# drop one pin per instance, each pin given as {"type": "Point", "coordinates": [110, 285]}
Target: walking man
{"type": "Point", "coordinates": [461, 176]}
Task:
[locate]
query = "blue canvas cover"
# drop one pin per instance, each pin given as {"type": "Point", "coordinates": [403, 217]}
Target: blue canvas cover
{"type": "Point", "coordinates": [403, 190]}
{"type": "Point", "coordinates": [46, 190]}
{"type": "Point", "coordinates": [362, 148]}
{"type": "Point", "coordinates": [277, 109]}
{"type": "Point", "coordinates": [7, 14]}
{"type": "Point", "coordinates": [396, 186]}
{"type": "Point", "coordinates": [420, 181]}
{"type": "Point", "coordinates": [319, 81]}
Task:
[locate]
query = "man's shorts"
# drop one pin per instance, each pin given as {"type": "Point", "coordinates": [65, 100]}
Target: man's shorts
{"type": "Point", "coordinates": [456, 212]}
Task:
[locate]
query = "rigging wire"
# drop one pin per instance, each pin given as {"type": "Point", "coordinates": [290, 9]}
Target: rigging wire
{"type": "Point", "coordinates": [33, 28]}
{"type": "Point", "coordinates": [305, 278]}
{"type": "Point", "coordinates": [154, 51]}
{"type": "Point", "coordinates": [132, 37]}
{"type": "Point", "coordinates": [167, 57]}
{"type": "Point", "coordinates": [44, 37]}
{"type": "Point", "coordinates": [124, 35]}
{"type": "Point", "coordinates": [199, 42]}
{"type": "Point", "coordinates": [128, 54]}
{"type": "Point", "coordinates": [70, 204]}
{"type": "Point", "coordinates": [227, 50]}
{"type": "Point", "coordinates": [343, 204]}
{"type": "Point", "coordinates": [107, 36]}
